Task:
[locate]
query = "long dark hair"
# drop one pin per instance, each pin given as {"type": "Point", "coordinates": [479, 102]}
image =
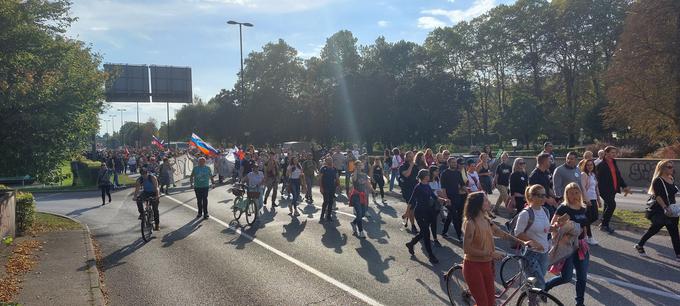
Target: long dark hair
{"type": "Point", "coordinates": [473, 205]}
{"type": "Point", "coordinates": [433, 177]}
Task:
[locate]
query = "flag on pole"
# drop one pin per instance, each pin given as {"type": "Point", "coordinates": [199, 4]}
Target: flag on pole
{"type": "Point", "coordinates": [203, 146]}
{"type": "Point", "coordinates": [157, 142]}
{"type": "Point", "coordinates": [499, 153]}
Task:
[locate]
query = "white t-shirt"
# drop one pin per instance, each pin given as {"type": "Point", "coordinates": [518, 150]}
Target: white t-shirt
{"type": "Point", "coordinates": [255, 178]}
{"type": "Point", "coordinates": [591, 192]}
{"type": "Point", "coordinates": [295, 172]}
{"type": "Point", "coordinates": [473, 179]}
{"type": "Point", "coordinates": [436, 186]}
{"type": "Point", "coordinates": [396, 161]}
{"type": "Point", "coordinates": [538, 230]}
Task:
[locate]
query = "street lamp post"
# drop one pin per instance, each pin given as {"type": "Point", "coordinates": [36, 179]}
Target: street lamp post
{"type": "Point", "coordinates": [113, 123]}
{"type": "Point", "coordinates": [514, 143]}
{"type": "Point", "coordinates": [240, 36]}
{"type": "Point", "coordinates": [121, 110]}
{"type": "Point", "coordinates": [615, 136]}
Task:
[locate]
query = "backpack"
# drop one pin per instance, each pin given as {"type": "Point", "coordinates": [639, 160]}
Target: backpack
{"type": "Point", "coordinates": [513, 223]}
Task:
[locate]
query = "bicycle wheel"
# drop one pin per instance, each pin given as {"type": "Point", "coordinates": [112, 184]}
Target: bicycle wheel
{"type": "Point", "coordinates": [251, 212]}
{"type": "Point", "coordinates": [237, 208]}
{"type": "Point", "coordinates": [535, 297]}
{"type": "Point", "coordinates": [511, 271]}
{"type": "Point", "coordinates": [456, 288]}
{"type": "Point", "coordinates": [146, 226]}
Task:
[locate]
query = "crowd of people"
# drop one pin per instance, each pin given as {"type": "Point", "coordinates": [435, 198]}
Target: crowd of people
{"type": "Point", "coordinates": [549, 206]}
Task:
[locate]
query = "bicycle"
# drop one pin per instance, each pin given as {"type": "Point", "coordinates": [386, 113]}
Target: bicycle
{"type": "Point", "coordinates": [511, 274]}
{"type": "Point", "coordinates": [147, 220]}
{"type": "Point", "coordinates": [247, 205]}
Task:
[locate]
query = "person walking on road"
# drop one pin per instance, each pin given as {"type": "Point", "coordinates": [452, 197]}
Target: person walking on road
{"type": "Point", "coordinates": [610, 182]}
{"type": "Point", "coordinates": [104, 182]}
{"type": "Point", "coordinates": [565, 174]}
{"type": "Point", "coordinates": [407, 181]}
{"type": "Point", "coordinates": [378, 179]}
{"type": "Point", "coordinates": [591, 194]}
{"type": "Point", "coordinates": [271, 178]}
{"type": "Point", "coordinates": [394, 167]}
{"type": "Point", "coordinates": [358, 198]}
{"type": "Point", "coordinates": [579, 260]}
{"type": "Point", "coordinates": [501, 181]}
{"type": "Point", "coordinates": [436, 186]}
{"type": "Point", "coordinates": [484, 173]}
{"type": "Point", "coordinates": [200, 179]}
{"type": "Point", "coordinates": [422, 200]}
{"type": "Point", "coordinates": [663, 189]}
{"type": "Point", "coordinates": [541, 175]}
{"type": "Point", "coordinates": [328, 184]}
{"type": "Point", "coordinates": [533, 224]}
{"type": "Point", "coordinates": [165, 176]}
{"type": "Point", "coordinates": [453, 185]}
{"type": "Point", "coordinates": [148, 184]}
{"type": "Point", "coordinates": [296, 183]}
{"type": "Point", "coordinates": [480, 250]}
{"type": "Point", "coordinates": [309, 168]}
{"type": "Point", "coordinates": [518, 184]}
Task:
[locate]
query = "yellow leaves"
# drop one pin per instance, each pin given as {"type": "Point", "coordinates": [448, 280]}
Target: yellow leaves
{"type": "Point", "coordinates": [21, 260]}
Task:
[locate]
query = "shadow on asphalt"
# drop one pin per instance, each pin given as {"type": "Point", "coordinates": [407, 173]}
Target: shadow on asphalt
{"type": "Point", "coordinates": [187, 229]}
{"type": "Point", "coordinates": [115, 259]}
{"type": "Point", "coordinates": [293, 229]}
{"type": "Point", "coordinates": [331, 238]}
{"type": "Point", "coordinates": [376, 265]}
{"type": "Point", "coordinates": [79, 212]}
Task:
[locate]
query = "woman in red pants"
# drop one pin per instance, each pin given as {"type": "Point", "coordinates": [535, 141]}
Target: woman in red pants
{"type": "Point", "coordinates": [480, 251]}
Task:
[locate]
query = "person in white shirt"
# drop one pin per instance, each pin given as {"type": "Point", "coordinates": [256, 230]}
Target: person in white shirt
{"type": "Point", "coordinates": [600, 157]}
{"type": "Point", "coordinates": [255, 182]}
{"type": "Point", "coordinates": [473, 184]}
{"type": "Point", "coordinates": [591, 195]}
{"type": "Point", "coordinates": [536, 232]}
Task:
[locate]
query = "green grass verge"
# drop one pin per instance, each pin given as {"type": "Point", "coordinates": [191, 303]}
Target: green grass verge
{"type": "Point", "coordinates": [634, 219]}
{"type": "Point", "coordinates": [50, 223]}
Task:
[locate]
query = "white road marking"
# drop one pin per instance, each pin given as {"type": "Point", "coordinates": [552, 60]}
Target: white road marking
{"type": "Point", "coordinates": [667, 294]}
{"type": "Point", "coordinates": [287, 257]}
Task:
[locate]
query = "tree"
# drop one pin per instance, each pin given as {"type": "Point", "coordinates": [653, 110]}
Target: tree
{"type": "Point", "coordinates": [644, 78]}
{"type": "Point", "coordinates": [50, 89]}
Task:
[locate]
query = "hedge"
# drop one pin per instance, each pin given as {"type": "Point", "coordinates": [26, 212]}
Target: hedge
{"type": "Point", "coordinates": [87, 172]}
{"type": "Point", "coordinates": [25, 211]}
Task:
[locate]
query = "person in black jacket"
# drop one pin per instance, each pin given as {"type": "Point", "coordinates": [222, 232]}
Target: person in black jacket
{"type": "Point", "coordinates": [541, 175]}
{"type": "Point", "coordinates": [454, 186]}
{"type": "Point", "coordinates": [422, 203]}
{"type": "Point", "coordinates": [663, 189]}
{"type": "Point", "coordinates": [610, 182]}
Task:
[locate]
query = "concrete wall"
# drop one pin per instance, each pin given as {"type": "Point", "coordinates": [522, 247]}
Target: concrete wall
{"type": "Point", "coordinates": [7, 214]}
{"type": "Point", "coordinates": [637, 172]}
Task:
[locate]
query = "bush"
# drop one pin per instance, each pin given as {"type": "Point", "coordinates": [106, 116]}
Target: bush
{"type": "Point", "coordinates": [87, 172]}
{"type": "Point", "coordinates": [25, 211]}
{"type": "Point", "coordinates": [668, 152]}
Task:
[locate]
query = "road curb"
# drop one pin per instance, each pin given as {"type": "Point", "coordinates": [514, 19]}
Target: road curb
{"type": "Point", "coordinates": [97, 297]}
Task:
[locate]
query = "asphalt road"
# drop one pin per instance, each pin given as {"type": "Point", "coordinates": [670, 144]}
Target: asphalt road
{"type": "Point", "coordinates": [296, 261]}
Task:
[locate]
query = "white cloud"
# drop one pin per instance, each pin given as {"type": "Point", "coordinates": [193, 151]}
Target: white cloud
{"type": "Point", "coordinates": [383, 23]}
{"type": "Point", "coordinates": [429, 22]}
{"type": "Point", "coordinates": [315, 51]}
{"type": "Point", "coordinates": [478, 7]}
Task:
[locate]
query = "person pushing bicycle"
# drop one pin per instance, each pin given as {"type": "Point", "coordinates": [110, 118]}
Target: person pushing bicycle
{"type": "Point", "coordinates": [148, 184]}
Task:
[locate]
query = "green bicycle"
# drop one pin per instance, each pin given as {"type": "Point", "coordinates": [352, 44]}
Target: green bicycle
{"type": "Point", "coordinates": [247, 206]}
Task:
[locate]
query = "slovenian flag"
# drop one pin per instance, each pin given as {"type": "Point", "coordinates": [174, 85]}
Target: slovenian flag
{"type": "Point", "coordinates": [157, 142]}
{"type": "Point", "coordinates": [203, 146]}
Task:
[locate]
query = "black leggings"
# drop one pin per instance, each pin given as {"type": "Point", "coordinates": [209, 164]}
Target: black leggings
{"type": "Point", "coordinates": [106, 191]}
{"type": "Point", "coordinates": [672, 227]}
{"type": "Point", "coordinates": [381, 184]}
{"type": "Point", "coordinates": [455, 214]}
{"type": "Point", "coordinates": [202, 200]}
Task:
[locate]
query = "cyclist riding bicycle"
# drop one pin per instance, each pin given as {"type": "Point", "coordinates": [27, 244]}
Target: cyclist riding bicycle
{"type": "Point", "coordinates": [149, 190]}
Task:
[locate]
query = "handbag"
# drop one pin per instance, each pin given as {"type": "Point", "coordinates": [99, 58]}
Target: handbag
{"type": "Point", "coordinates": [653, 212]}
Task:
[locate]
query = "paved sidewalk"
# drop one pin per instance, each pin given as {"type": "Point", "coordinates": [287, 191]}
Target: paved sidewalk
{"type": "Point", "coordinates": [66, 273]}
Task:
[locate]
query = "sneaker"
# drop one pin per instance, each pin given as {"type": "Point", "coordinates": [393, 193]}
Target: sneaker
{"type": "Point", "coordinates": [409, 246]}
{"type": "Point", "coordinates": [198, 216]}
{"type": "Point", "coordinates": [445, 235]}
{"type": "Point", "coordinates": [592, 241]}
{"type": "Point", "coordinates": [361, 234]}
{"type": "Point", "coordinates": [404, 221]}
{"type": "Point", "coordinates": [205, 216]}
{"type": "Point", "coordinates": [641, 250]}
{"type": "Point", "coordinates": [274, 205]}
{"type": "Point", "coordinates": [437, 244]}
{"type": "Point", "coordinates": [459, 238]}
{"type": "Point", "coordinates": [354, 227]}
{"type": "Point", "coordinates": [607, 229]}
{"type": "Point", "coordinates": [414, 230]}
{"type": "Point", "coordinates": [103, 204]}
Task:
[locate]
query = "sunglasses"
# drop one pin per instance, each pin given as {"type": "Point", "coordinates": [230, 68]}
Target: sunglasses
{"type": "Point", "coordinates": [538, 195]}
{"type": "Point", "coordinates": [521, 163]}
{"type": "Point", "coordinates": [669, 167]}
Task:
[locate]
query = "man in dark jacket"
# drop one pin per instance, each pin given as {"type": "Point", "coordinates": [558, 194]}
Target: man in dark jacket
{"type": "Point", "coordinates": [610, 182]}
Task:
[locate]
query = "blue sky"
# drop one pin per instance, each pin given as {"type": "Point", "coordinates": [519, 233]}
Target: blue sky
{"type": "Point", "coordinates": [194, 33]}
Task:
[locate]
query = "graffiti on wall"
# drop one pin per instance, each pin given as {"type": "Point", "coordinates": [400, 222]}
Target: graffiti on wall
{"type": "Point", "coordinates": [641, 171]}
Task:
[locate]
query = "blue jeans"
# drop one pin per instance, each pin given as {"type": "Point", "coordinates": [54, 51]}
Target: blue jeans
{"type": "Point", "coordinates": [537, 266]}
{"type": "Point", "coordinates": [359, 212]}
{"type": "Point", "coordinates": [570, 264]}
{"type": "Point", "coordinates": [393, 177]}
{"type": "Point", "coordinates": [115, 179]}
{"type": "Point", "coordinates": [295, 186]}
